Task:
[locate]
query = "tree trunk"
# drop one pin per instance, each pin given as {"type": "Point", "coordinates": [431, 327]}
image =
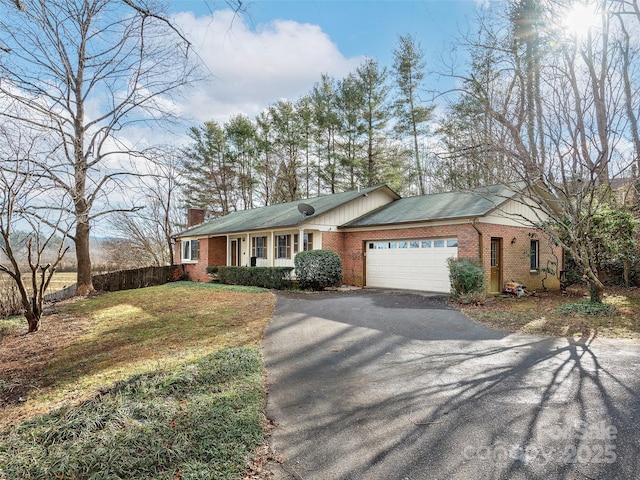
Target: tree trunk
{"type": "Point", "coordinates": [84, 281]}
{"type": "Point", "coordinates": [33, 321]}
{"type": "Point", "coordinates": [628, 93]}
{"type": "Point", "coordinates": [627, 272]}
{"type": "Point", "coordinates": [595, 292]}
{"type": "Point", "coordinates": [416, 152]}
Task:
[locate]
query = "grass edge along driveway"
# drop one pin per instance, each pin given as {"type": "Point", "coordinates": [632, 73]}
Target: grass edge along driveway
{"type": "Point", "coordinates": [164, 382]}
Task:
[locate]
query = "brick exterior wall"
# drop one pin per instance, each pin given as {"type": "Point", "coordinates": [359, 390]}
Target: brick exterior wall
{"type": "Point", "coordinates": [472, 243]}
{"type": "Point", "coordinates": [515, 256]}
{"type": "Point", "coordinates": [515, 261]}
{"type": "Point", "coordinates": [217, 251]}
{"type": "Point", "coordinates": [213, 251]}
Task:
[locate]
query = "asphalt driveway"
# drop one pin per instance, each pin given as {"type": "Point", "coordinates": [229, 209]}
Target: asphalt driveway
{"type": "Point", "coordinates": [388, 385]}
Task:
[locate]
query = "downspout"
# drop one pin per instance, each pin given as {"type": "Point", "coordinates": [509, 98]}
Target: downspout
{"type": "Point", "coordinates": [480, 249]}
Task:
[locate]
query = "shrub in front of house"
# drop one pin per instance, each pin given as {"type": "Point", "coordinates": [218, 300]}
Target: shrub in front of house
{"type": "Point", "coordinates": [266, 277]}
{"type": "Point", "coordinates": [466, 276]}
{"type": "Point", "coordinates": [318, 269]}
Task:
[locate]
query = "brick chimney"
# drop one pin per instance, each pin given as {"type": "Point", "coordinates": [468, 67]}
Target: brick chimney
{"type": "Point", "coordinates": [195, 216]}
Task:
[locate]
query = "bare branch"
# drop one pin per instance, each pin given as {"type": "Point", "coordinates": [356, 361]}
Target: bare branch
{"type": "Point", "coordinates": [148, 13]}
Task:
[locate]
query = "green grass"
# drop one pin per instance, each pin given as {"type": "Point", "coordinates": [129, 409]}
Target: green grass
{"type": "Point", "coordinates": [201, 421]}
{"type": "Point", "coordinates": [164, 382]}
{"type": "Point", "coordinates": [586, 307]}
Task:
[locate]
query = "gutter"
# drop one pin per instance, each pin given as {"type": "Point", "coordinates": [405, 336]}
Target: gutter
{"type": "Point", "coordinates": [406, 223]}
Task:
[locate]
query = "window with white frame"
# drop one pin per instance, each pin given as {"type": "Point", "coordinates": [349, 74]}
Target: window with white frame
{"type": "Point", "coordinates": [534, 256]}
{"type": "Point", "coordinates": [283, 246]}
{"type": "Point", "coordinates": [307, 243]}
{"type": "Point", "coordinates": [259, 247]}
{"type": "Point", "coordinates": [190, 250]}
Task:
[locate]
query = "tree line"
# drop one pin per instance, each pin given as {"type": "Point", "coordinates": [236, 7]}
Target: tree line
{"type": "Point", "coordinates": [367, 128]}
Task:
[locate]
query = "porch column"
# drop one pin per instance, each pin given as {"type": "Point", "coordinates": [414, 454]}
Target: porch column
{"type": "Point", "coordinates": [301, 240]}
{"type": "Point", "coordinates": [272, 254]}
{"type": "Point", "coordinates": [247, 259]}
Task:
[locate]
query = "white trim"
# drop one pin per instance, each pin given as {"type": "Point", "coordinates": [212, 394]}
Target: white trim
{"type": "Point", "coordinates": [183, 243]}
{"type": "Point", "coordinates": [404, 226]}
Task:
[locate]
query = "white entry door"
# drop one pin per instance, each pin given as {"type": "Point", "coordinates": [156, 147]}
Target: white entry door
{"type": "Point", "coordinates": [419, 264]}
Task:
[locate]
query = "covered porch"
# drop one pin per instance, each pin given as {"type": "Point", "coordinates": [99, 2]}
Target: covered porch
{"type": "Point", "coordinates": [269, 248]}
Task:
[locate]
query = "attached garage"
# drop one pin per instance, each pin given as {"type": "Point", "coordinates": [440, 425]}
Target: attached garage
{"type": "Point", "coordinates": [416, 264]}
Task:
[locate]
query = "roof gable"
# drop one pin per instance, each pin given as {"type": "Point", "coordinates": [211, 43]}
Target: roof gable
{"type": "Point", "coordinates": [277, 216]}
{"type": "Point", "coordinates": [436, 206]}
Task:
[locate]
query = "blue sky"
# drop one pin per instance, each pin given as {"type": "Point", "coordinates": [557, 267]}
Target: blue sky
{"type": "Point", "coordinates": [371, 27]}
{"type": "Point", "coordinates": [279, 49]}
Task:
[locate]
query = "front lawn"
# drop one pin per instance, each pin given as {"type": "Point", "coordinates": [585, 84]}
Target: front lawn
{"type": "Point", "coordinates": [549, 313]}
{"type": "Point", "coordinates": [163, 382]}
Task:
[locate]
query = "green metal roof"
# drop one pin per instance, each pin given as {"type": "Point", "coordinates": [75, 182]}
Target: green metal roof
{"type": "Point", "coordinates": [437, 206]}
{"type": "Point", "coordinates": [275, 216]}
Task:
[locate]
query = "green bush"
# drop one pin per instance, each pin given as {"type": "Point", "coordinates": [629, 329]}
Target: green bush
{"type": "Point", "coordinates": [212, 269]}
{"type": "Point", "coordinates": [317, 269]}
{"type": "Point", "coordinates": [466, 276]}
{"type": "Point", "coordinates": [266, 277]}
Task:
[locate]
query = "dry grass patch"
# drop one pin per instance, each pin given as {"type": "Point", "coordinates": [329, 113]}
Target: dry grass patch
{"type": "Point", "coordinates": [61, 280]}
{"type": "Point", "coordinates": [88, 345]}
{"type": "Point", "coordinates": [555, 314]}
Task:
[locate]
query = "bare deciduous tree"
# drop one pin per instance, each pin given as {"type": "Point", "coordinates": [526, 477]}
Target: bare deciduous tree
{"type": "Point", "coordinates": [558, 99]}
{"type": "Point", "coordinates": [150, 229]}
{"type": "Point", "coordinates": [83, 73]}
{"type": "Point", "coordinates": [18, 187]}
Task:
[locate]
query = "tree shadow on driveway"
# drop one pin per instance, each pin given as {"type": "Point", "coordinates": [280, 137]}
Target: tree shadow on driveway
{"type": "Point", "coordinates": [379, 385]}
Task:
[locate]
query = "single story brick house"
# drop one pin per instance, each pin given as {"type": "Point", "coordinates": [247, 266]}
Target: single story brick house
{"type": "Point", "coordinates": [384, 240]}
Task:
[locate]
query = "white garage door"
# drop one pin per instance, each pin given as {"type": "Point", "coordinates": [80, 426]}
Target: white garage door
{"type": "Point", "coordinates": [410, 264]}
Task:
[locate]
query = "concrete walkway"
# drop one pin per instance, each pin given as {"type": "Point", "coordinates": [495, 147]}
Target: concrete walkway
{"type": "Point", "coordinates": [389, 385]}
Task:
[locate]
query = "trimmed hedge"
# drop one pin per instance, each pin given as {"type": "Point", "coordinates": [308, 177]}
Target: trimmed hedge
{"type": "Point", "coordinates": [466, 276]}
{"type": "Point", "coordinates": [317, 269]}
{"type": "Point", "coordinates": [267, 277]}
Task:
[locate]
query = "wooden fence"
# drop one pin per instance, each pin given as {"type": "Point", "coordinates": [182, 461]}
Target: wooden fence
{"type": "Point", "coordinates": [130, 279]}
{"type": "Point", "coordinates": [66, 292]}
{"type": "Point", "coordinates": [120, 280]}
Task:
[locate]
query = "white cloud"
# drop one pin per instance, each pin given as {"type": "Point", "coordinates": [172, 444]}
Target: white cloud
{"type": "Point", "coordinates": [252, 68]}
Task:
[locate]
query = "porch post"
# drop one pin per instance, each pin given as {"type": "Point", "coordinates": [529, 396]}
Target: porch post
{"type": "Point", "coordinates": [247, 262]}
{"type": "Point", "coordinates": [301, 241]}
{"type": "Point", "coordinates": [272, 254]}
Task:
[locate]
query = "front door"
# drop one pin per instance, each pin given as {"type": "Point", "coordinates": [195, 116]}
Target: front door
{"type": "Point", "coordinates": [235, 252]}
{"type": "Point", "coordinates": [496, 265]}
